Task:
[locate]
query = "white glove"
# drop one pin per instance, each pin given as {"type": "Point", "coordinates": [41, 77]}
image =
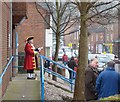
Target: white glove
{"type": "Point", "coordinates": [40, 48]}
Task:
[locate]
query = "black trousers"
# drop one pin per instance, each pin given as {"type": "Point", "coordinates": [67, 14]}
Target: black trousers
{"type": "Point", "coordinates": [70, 76]}
{"type": "Point", "coordinates": [30, 71]}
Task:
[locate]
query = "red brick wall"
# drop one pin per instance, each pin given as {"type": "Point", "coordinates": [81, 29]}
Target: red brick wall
{"type": "Point", "coordinates": [5, 50]}
{"type": "Point", "coordinates": [0, 36]}
{"type": "Point", "coordinates": [72, 37]}
{"type": "Point", "coordinates": [92, 42]}
{"type": "Point", "coordinates": [34, 26]}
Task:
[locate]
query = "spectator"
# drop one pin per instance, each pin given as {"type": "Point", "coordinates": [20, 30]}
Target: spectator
{"type": "Point", "coordinates": [71, 64]}
{"type": "Point", "coordinates": [108, 82]}
{"type": "Point", "coordinates": [117, 64]}
{"type": "Point", "coordinates": [65, 59]}
{"type": "Point", "coordinates": [47, 65]}
{"type": "Point", "coordinates": [96, 56]}
{"type": "Point", "coordinates": [75, 68]}
{"type": "Point", "coordinates": [91, 74]}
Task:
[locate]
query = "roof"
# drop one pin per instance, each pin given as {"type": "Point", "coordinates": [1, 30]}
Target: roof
{"type": "Point", "coordinates": [96, 29]}
{"type": "Point", "coordinates": [116, 41]}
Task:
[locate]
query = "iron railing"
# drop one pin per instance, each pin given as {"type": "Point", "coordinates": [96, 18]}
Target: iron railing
{"type": "Point", "coordinates": [4, 71]}
{"type": "Point", "coordinates": [42, 69]}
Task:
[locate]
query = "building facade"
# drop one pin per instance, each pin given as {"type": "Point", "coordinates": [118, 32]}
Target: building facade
{"type": "Point", "coordinates": [100, 40]}
{"type": "Point", "coordinates": [71, 36]}
{"type": "Point", "coordinates": [5, 41]}
{"type": "Point", "coordinates": [34, 25]}
{"type": "Point", "coordinates": [18, 21]}
{"type": "Point", "coordinates": [9, 17]}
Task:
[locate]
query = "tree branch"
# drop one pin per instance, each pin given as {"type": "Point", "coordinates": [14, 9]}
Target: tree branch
{"type": "Point", "coordinates": [90, 5]}
{"type": "Point", "coordinates": [65, 29]}
{"type": "Point", "coordinates": [103, 3]}
{"type": "Point", "coordinates": [51, 13]}
{"type": "Point", "coordinates": [104, 11]}
{"type": "Point", "coordinates": [44, 17]}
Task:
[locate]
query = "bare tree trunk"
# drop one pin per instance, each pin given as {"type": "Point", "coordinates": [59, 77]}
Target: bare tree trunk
{"type": "Point", "coordinates": [82, 60]}
{"type": "Point", "coordinates": [54, 68]}
{"type": "Point", "coordinates": [57, 40]}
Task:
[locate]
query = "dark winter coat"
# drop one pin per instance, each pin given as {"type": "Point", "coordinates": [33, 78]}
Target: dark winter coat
{"type": "Point", "coordinates": [47, 64]}
{"type": "Point", "coordinates": [108, 83]}
{"type": "Point", "coordinates": [72, 64]}
{"type": "Point", "coordinates": [90, 81]}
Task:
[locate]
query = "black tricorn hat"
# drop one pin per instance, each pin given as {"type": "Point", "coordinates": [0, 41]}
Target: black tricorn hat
{"type": "Point", "coordinates": [30, 38]}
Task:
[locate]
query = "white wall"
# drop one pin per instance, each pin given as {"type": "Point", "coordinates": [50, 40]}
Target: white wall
{"type": "Point", "coordinates": [48, 40]}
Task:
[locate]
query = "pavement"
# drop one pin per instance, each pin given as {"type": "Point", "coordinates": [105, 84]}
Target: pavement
{"type": "Point", "coordinates": [21, 88]}
{"type": "Point", "coordinates": [57, 90]}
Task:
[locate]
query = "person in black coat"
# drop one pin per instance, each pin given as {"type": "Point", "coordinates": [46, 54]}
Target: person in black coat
{"type": "Point", "coordinates": [71, 64]}
{"type": "Point", "coordinates": [91, 74]}
{"type": "Point", "coordinates": [47, 65]}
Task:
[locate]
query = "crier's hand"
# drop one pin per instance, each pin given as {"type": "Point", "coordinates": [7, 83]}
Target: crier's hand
{"type": "Point", "coordinates": [40, 49]}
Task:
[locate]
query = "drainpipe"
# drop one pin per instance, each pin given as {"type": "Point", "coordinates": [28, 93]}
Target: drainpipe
{"type": "Point", "coordinates": [15, 70]}
{"type": "Point", "coordinates": [11, 35]}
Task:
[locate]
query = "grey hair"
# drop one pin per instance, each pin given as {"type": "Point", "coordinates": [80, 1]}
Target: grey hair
{"type": "Point", "coordinates": [111, 64]}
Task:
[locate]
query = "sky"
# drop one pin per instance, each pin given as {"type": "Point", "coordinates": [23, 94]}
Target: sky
{"type": "Point", "coordinates": [55, 0]}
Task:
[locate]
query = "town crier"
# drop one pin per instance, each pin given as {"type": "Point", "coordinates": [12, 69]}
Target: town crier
{"type": "Point", "coordinates": [30, 60]}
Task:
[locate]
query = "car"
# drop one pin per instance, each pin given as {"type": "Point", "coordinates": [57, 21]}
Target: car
{"type": "Point", "coordinates": [60, 54]}
{"type": "Point", "coordinates": [91, 56]}
{"type": "Point", "coordinates": [102, 61]}
{"type": "Point", "coordinates": [65, 49]}
{"type": "Point", "coordinates": [112, 56]}
{"type": "Point", "coordinates": [75, 53]}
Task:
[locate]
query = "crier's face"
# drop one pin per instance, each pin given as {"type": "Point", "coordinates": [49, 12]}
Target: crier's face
{"type": "Point", "coordinates": [31, 41]}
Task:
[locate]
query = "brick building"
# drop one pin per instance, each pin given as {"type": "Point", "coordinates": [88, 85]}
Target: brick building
{"type": "Point", "coordinates": [5, 43]}
{"type": "Point", "coordinates": [34, 25]}
{"type": "Point", "coordinates": [71, 37]}
{"type": "Point", "coordinates": [7, 39]}
{"type": "Point", "coordinates": [100, 38]}
{"type": "Point", "coordinates": [96, 38]}
{"type": "Point", "coordinates": [18, 21]}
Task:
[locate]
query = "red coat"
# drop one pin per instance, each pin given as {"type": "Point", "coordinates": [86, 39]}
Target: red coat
{"type": "Point", "coordinates": [29, 62]}
{"type": "Point", "coordinates": [65, 58]}
{"type": "Point", "coordinates": [76, 60]}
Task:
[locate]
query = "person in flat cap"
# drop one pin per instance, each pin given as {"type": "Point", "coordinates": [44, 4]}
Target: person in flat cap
{"type": "Point", "coordinates": [108, 82]}
{"type": "Point", "coordinates": [117, 63]}
{"type": "Point", "coordinates": [30, 62]}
